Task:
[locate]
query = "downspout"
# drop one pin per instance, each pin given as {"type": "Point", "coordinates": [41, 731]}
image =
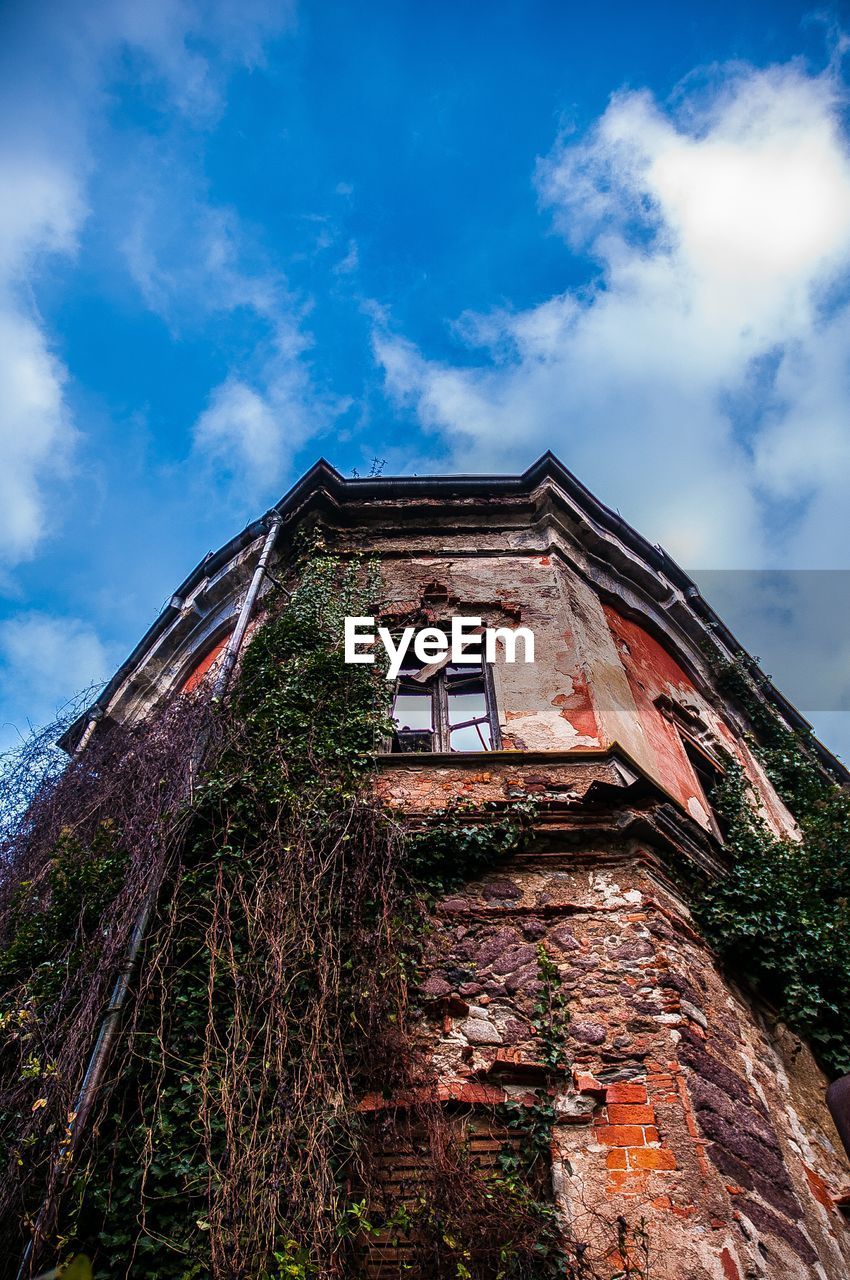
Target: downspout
{"type": "Point", "coordinates": [95, 717]}
{"type": "Point", "coordinates": [234, 644]}
{"type": "Point", "coordinates": [109, 1023]}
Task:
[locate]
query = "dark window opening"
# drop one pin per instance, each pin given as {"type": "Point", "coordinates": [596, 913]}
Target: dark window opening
{"type": "Point", "coordinates": [838, 1101]}
{"type": "Point", "coordinates": [449, 709]}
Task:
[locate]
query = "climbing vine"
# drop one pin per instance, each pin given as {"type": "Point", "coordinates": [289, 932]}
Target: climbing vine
{"type": "Point", "coordinates": [781, 915]}
{"type": "Point", "coordinates": [272, 995]}
{"type": "Point", "coordinates": [80, 849]}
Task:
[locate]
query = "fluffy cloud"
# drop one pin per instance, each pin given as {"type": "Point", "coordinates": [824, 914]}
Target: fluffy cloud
{"type": "Point", "coordinates": [44, 660]}
{"type": "Point", "coordinates": [249, 431]}
{"type": "Point", "coordinates": [700, 383]}
{"type": "Point", "coordinates": [197, 265]}
{"type": "Point", "coordinates": [36, 432]}
{"type": "Point", "coordinates": [190, 259]}
{"type": "Point", "coordinates": [56, 61]}
{"type": "Point", "coordinates": [194, 263]}
{"type": "Point", "coordinates": [188, 46]}
{"type": "Point", "coordinates": [40, 218]}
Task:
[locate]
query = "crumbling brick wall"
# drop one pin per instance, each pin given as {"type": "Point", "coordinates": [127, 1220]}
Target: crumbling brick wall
{"type": "Point", "coordinates": [683, 1106]}
{"type": "Point", "coordinates": [686, 1106]}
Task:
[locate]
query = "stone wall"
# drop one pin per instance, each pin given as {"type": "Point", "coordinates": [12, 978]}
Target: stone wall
{"type": "Point", "coordinates": [684, 1107]}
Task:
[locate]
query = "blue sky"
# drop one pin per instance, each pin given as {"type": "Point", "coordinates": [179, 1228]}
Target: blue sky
{"type": "Point", "coordinates": [234, 237]}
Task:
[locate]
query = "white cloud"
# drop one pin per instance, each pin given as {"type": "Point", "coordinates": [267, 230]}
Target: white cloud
{"type": "Point", "coordinates": [238, 430]}
{"type": "Point", "coordinates": [250, 430]}
{"type": "Point", "coordinates": [56, 62]}
{"type": "Point", "coordinates": [190, 259]}
{"type": "Point", "coordinates": [194, 262]}
{"type": "Point", "coordinates": [44, 662]}
{"type": "Point", "coordinates": [41, 216]}
{"type": "Point", "coordinates": [701, 383]}
{"type": "Point", "coordinates": [36, 433]}
{"type": "Point", "coordinates": [350, 263]}
{"type": "Point", "coordinates": [185, 47]}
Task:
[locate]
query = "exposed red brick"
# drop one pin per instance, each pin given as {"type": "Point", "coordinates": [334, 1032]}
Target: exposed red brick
{"type": "Point", "coordinates": [730, 1269]}
{"type": "Point", "coordinates": [586, 1083]}
{"type": "Point", "coordinates": [620, 1135]}
{"type": "Point", "coordinates": [626, 1183]}
{"type": "Point", "coordinates": [616, 1158]}
{"type": "Point", "coordinates": [819, 1189]}
{"type": "Point", "coordinates": [476, 1093]}
{"type": "Point", "coordinates": [625, 1113]}
{"type": "Point", "coordinates": [456, 1091]}
{"type": "Point", "coordinates": [625, 1093]}
{"type": "Point", "coordinates": [651, 1158]}
{"type": "Point", "coordinates": [658, 1082]}
{"type": "Point", "coordinates": [699, 1147]}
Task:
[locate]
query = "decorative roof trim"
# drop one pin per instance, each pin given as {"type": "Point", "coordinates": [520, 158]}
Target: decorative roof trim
{"type": "Point", "coordinates": [323, 480]}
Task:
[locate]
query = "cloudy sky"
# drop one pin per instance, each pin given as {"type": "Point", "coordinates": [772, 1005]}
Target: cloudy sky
{"type": "Point", "coordinates": [237, 235]}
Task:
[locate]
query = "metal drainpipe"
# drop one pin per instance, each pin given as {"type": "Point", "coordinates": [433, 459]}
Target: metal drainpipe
{"type": "Point", "coordinates": [95, 717]}
{"type": "Point", "coordinates": [234, 644]}
{"type": "Point", "coordinates": [109, 1023]}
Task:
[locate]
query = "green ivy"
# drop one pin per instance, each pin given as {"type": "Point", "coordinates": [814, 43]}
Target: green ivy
{"type": "Point", "coordinates": [303, 727]}
{"type": "Point", "coordinates": [465, 840]}
{"type": "Point", "coordinates": [52, 923]}
{"type": "Point", "coordinates": [781, 915]}
{"type": "Point", "coordinates": [64, 908]}
{"type": "Point", "coordinates": [286, 833]}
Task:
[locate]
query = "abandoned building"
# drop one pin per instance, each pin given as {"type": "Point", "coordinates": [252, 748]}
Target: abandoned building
{"type": "Point", "coordinates": [687, 1105]}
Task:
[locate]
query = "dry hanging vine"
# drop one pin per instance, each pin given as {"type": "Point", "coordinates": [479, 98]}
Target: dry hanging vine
{"type": "Point", "coordinates": [79, 856]}
{"type": "Point", "coordinates": [271, 998]}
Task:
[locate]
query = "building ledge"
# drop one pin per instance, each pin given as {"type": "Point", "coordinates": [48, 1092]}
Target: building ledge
{"type": "Point", "coordinates": [471, 759]}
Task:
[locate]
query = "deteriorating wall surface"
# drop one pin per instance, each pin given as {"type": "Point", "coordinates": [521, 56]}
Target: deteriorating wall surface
{"type": "Point", "coordinates": [686, 1104]}
{"type": "Point", "coordinates": [684, 1109]}
{"type": "Point", "coordinates": [687, 1107]}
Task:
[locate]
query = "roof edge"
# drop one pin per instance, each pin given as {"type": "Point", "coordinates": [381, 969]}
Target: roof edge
{"type": "Point", "coordinates": [323, 476]}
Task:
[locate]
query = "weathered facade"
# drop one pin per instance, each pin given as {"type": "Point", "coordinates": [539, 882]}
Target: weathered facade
{"type": "Point", "coordinates": [688, 1106]}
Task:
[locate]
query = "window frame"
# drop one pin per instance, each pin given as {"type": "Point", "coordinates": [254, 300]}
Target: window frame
{"type": "Point", "coordinates": [709, 774]}
{"type": "Point", "coordinates": [703, 754]}
{"type": "Point", "coordinates": [437, 688]}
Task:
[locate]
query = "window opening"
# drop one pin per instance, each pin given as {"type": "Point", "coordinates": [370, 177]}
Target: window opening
{"type": "Point", "coordinates": [709, 775]}
{"type": "Point", "coordinates": [449, 709]}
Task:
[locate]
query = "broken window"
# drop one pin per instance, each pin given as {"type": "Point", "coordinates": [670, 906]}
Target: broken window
{"type": "Point", "coordinates": [704, 753]}
{"type": "Point", "coordinates": [709, 775]}
{"type": "Point", "coordinates": [445, 706]}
